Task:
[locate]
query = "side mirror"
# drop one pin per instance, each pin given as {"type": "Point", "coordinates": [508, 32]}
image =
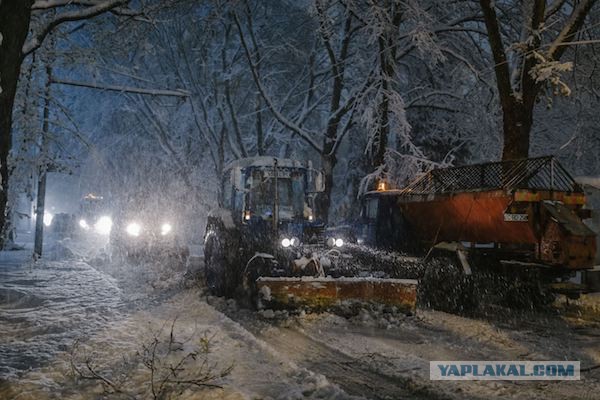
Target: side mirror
{"type": "Point", "coordinates": [316, 181]}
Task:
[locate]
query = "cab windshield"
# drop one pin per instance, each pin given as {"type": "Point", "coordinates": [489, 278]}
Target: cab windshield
{"type": "Point", "coordinates": [290, 194]}
{"type": "Point", "coordinates": [92, 207]}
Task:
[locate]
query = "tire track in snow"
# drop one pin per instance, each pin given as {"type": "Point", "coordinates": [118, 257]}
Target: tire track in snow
{"type": "Point", "coordinates": [244, 332]}
{"type": "Point", "coordinates": [352, 375]}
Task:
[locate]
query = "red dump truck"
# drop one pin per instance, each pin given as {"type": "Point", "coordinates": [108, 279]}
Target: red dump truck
{"type": "Point", "coordinates": [522, 215]}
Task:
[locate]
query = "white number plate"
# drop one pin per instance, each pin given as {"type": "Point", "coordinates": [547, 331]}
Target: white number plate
{"type": "Point", "coordinates": [281, 173]}
{"type": "Point", "coordinates": [516, 217]}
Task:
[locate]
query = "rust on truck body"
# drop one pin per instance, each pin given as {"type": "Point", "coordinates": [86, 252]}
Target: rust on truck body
{"type": "Point", "coordinates": [530, 207]}
{"type": "Point", "coordinates": [472, 217]}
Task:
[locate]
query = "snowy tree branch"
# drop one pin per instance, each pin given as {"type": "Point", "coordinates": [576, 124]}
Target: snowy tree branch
{"type": "Point", "coordinates": [123, 89]}
{"type": "Point", "coordinates": [433, 94]}
{"type": "Point", "coordinates": [304, 134]}
{"type": "Point", "coordinates": [68, 16]}
{"type": "Point", "coordinates": [573, 25]}
{"type": "Point", "coordinates": [48, 4]}
{"type": "Point", "coordinates": [554, 7]}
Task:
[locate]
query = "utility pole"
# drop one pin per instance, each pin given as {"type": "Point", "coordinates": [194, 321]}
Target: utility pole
{"type": "Point", "coordinates": [43, 170]}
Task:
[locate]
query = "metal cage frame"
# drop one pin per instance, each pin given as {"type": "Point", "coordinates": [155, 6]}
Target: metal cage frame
{"type": "Point", "coordinates": [540, 173]}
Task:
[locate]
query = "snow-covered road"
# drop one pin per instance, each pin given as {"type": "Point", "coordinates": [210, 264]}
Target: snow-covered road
{"type": "Point", "coordinates": [386, 357]}
{"type": "Point", "coordinates": [45, 308]}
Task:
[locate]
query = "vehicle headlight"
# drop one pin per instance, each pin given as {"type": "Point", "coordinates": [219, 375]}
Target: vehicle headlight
{"type": "Point", "coordinates": [133, 229]}
{"type": "Point", "coordinates": [103, 225]}
{"type": "Point", "coordinates": [48, 218]}
{"type": "Point", "coordinates": [333, 242]}
{"type": "Point", "coordinates": [83, 223]}
{"type": "Point", "coordinates": [285, 243]}
{"type": "Point", "coordinates": [165, 229]}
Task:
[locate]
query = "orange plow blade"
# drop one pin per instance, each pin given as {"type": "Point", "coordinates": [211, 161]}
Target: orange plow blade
{"type": "Point", "coordinates": [323, 293]}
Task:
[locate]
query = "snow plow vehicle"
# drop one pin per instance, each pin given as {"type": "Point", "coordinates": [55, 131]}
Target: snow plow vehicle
{"type": "Point", "coordinates": [266, 245]}
{"type": "Point", "coordinates": [521, 219]}
{"type": "Point", "coordinates": [94, 215]}
{"type": "Point", "coordinates": [142, 235]}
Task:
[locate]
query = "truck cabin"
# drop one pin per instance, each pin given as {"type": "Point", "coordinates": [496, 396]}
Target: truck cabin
{"type": "Point", "coordinates": [92, 206]}
{"type": "Point", "coordinates": [382, 223]}
{"type": "Point", "coordinates": [267, 188]}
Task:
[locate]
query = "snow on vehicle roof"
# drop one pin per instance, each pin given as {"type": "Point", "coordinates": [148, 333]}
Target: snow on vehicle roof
{"type": "Point", "coordinates": [264, 161]}
{"type": "Point", "coordinates": [593, 181]}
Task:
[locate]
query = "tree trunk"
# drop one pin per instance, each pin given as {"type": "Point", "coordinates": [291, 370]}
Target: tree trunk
{"type": "Point", "coordinates": [323, 202]}
{"type": "Point", "coordinates": [260, 137]}
{"type": "Point", "coordinates": [387, 45]}
{"type": "Point", "coordinates": [381, 135]}
{"type": "Point", "coordinates": [517, 122]}
{"type": "Point", "coordinates": [39, 215]}
{"type": "Point", "coordinates": [518, 104]}
{"type": "Point", "coordinates": [14, 25]}
{"type": "Point", "coordinates": [43, 171]}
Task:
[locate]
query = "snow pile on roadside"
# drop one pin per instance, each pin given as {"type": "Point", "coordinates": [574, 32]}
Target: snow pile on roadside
{"type": "Point", "coordinates": [52, 303]}
{"type": "Point", "coordinates": [258, 371]}
{"type": "Point", "coordinates": [60, 251]}
{"type": "Point", "coordinates": [145, 277]}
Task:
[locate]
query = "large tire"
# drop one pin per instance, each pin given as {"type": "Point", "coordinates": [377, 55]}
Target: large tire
{"type": "Point", "coordinates": [256, 267]}
{"type": "Point", "coordinates": [445, 287]}
{"type": "Point", "coordinates": [217, 268]}
{"type": "Point", "coordinates": [515, 291]}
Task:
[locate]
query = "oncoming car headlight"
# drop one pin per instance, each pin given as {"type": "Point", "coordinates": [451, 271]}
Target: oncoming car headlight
{"type": "Point", "coordinates": [48, 218]}
{"type": "Point", "coordinates": [133, 229]}
{"type": "Point", "coordinates": [165, 229]}
{"type": "Point", "coordinates": [333, 242]}
{"type": "Point", "coordinates": [103, 225]}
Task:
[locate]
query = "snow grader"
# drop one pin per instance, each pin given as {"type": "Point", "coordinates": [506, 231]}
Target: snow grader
{"type": "Point", "coordinates": [503, 224]}
{"type": "Point", "coordinates": [266, 245]}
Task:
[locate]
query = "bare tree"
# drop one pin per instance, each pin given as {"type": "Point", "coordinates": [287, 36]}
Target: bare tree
{"type": "Point", "coordinates": [15, 19]}
{"type": "Point", "coordinates": [546, 33]}
{"type": "Point", "coordinates": [172, 364]}
{"type": "Point", "coordinates": [342, 98]}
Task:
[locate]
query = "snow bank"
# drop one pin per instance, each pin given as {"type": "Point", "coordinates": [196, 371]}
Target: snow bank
{"type": "Point", "coordinates": [48, 305]}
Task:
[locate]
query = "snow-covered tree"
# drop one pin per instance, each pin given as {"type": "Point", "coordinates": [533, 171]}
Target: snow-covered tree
{"type": "Point", "coordinates": [18, 38]}
{"type": "Point", "coordinates": [529, 42]}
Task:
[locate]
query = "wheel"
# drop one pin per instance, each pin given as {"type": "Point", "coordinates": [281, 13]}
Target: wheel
{"type": "Point", "coordinates": [445, 287]}
{"type": "Point", "coordinates": [216, 266]}
{"type": "Point", "coordinates": [522, 290]}
{"type": "Point", "coordinates": [256, 267]}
